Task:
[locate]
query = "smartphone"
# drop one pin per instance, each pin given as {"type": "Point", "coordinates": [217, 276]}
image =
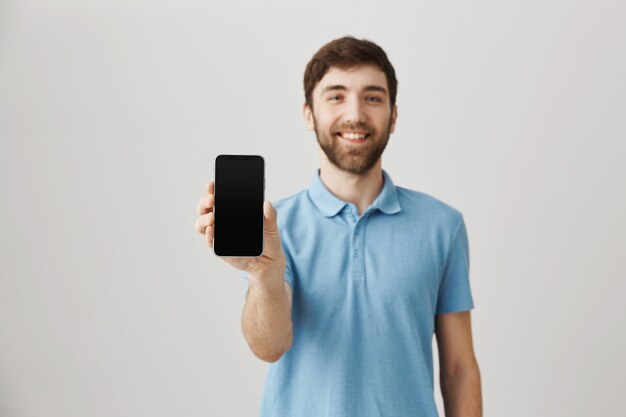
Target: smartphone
{"type": "Point", "coordinates": [239, 195]}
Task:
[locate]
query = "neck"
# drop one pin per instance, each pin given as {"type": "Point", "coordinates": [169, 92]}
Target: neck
{"type": "Point", "coordinates": [359, 189]}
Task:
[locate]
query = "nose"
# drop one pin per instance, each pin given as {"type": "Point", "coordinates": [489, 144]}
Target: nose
{"type": "Point", "coordinates": [355, 111]}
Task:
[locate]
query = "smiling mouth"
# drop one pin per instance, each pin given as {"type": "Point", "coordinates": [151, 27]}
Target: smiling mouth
{"type": "Point", "coordinates": [353, 137]}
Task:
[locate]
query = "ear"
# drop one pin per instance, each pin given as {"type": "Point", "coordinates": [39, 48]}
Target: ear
{"type": "Point", "coordinates": [308, 116]}
{"type": "Point", "coordinates": [394, 116]}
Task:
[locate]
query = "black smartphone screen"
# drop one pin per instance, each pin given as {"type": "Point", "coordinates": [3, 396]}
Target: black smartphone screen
{"type": "Point", "coordinates": [238, 209]}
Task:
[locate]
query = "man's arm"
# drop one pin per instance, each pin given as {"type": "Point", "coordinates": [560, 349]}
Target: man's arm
{"type": "Point", "coordinates": [266, 320]}
{"type": "Point", "coordinates": [459, 374]}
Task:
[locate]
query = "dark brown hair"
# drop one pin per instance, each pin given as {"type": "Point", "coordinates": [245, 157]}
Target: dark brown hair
{"type": "Point", "coordinates": [344, 53]}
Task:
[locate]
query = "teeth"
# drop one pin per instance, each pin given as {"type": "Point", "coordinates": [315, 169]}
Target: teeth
{"type": "Point", "coordinates": [353, 135]}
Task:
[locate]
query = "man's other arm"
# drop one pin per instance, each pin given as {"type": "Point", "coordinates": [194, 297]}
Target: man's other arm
{"type": "Point", "coordinates": [459, 373]}
{"type": "Point", "coordinates": [266, 320]}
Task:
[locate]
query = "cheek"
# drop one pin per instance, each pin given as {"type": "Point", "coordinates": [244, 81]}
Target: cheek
{"type": "Point", "coordinates": [325, 124]}
{"type": "Point", "coordinates": [326, 116]}
{"type": "Point", "coordinates": [382, 121]}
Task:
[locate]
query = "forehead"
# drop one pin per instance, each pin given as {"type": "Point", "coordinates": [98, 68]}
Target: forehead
{"type": "Point", "coordinates": [355, 78]}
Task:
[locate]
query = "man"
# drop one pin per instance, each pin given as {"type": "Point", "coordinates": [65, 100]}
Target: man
{"type": "Point", "coordinates": [358, 274]}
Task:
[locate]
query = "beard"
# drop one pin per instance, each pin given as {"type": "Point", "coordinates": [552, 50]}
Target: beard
{"type": "Point", "coordinates": [356, 159]}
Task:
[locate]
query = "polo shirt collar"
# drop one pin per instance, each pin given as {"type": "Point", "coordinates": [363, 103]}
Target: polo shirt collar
{"type": "Point", "coordinates": [329, 204]}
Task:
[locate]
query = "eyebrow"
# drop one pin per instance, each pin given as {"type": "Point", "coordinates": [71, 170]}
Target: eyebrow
{"type": "Point", "coordinates": [368, 88]}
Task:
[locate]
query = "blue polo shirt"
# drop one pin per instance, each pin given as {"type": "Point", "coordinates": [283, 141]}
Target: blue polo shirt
{"type": "Point", "coordinates": [366, 290]}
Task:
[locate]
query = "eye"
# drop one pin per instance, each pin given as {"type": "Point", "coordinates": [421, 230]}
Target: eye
{"type": "Point", "coordinates": [333, 97]}
{"type": "Point", "coordinates": [378, 99]}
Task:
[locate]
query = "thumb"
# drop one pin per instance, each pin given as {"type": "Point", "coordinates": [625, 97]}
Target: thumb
{"type": "Point", "coordinates": [271, 235]}
{"type": "Point", "coordinates": [269, 212]}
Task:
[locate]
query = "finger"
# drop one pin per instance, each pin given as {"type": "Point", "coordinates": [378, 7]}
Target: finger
{"type": "Point", "coordinates": [203, 221]}
{"type": "Point", "coordinates": [210, 187]}
{"type": "Point", "coordinates": [205, 204]}
{"type": "Point", "coordinates": [208, 236]}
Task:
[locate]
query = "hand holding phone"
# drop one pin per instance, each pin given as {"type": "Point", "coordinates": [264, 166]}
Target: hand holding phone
{"type": "Point", "coordinates": [270, 262]}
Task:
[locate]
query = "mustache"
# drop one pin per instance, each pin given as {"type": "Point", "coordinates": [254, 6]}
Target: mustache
{"type": "Point", "coordinates": [352, 127]}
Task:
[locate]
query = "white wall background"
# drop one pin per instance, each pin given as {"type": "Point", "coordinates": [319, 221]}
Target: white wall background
{"type": "Point", "coordinates": [111, 113]}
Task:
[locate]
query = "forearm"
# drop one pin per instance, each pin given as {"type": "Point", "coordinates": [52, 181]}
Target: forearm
{"type": "Point", "coordinates": [266, 321]}
{"type": "Point", "coordinates": [461, 392]}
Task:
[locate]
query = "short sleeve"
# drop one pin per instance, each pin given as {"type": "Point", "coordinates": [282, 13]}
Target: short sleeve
{"type": "Point", "coordinates": [454, 288]}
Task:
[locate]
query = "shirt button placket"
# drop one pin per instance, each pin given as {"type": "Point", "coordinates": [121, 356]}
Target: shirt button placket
{"type": "Point", "coordinates": [357, 254]}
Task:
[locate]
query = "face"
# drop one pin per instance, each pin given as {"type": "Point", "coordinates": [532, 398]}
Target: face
{"type": "Point", "coordinates": [352, 117]}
